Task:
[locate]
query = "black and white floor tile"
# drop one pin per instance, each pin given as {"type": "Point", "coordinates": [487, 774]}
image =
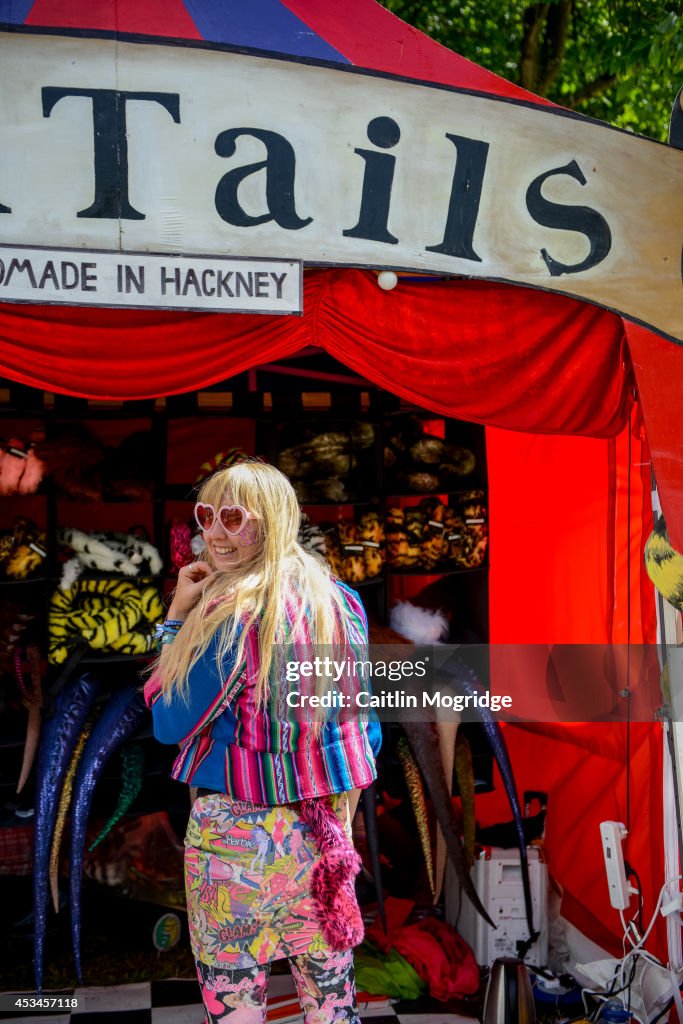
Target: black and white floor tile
{"type": "Point", "coordinates": [178, 1002]}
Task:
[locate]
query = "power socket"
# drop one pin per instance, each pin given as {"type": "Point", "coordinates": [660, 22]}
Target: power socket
{"type": "Point", "coordinates": [612, 834]}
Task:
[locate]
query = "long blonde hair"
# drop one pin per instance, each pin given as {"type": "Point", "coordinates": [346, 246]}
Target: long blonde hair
{"type": "Point", "coordinates": [254, 593]}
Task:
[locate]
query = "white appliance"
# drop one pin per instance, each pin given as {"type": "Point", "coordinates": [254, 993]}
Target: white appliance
{"type": "Point", "coordinates": [497, 877]}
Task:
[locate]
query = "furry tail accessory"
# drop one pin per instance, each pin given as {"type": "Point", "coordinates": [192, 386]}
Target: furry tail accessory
{"type": "Point", "coordinates": [333, 877]}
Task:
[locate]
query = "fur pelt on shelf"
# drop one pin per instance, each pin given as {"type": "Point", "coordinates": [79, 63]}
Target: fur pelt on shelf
{"type": "Point", "coordinates": [420, 625]}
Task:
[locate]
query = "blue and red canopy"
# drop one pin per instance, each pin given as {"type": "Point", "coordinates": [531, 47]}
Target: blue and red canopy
{"type": "Point", "coordinates": [357, 32]}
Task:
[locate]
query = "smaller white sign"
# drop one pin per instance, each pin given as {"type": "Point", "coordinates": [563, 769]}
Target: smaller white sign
{"type": "Point", "coordinates": [136, 280]}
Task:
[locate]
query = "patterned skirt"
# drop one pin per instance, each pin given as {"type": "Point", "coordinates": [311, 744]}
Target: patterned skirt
{"type": "Point", "coordinates": [247, 881]}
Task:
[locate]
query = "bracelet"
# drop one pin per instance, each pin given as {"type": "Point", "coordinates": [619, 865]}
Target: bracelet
{"type": "Point", "coordinates": [166, 632]}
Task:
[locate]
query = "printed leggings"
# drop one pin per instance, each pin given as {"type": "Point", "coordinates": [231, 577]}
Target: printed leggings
{"type": "Point", "coordinates": [326, 989]}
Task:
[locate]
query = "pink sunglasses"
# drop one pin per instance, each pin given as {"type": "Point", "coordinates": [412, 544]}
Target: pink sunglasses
{"type": "Point", "coordinates": [232, 517]}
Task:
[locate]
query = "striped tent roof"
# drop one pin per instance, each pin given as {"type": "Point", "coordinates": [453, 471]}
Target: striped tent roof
{"type": "Point", "coordinates": [356, 32]}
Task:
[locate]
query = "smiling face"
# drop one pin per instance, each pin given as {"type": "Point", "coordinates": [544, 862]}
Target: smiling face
{"type": "Point", "coordinates": [228, 550]}
{"type": "Point", "coordinates": [270, 532]}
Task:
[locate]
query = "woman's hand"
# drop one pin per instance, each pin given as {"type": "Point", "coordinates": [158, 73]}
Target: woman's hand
{"type": "Point", "coordinates": [191, 582]}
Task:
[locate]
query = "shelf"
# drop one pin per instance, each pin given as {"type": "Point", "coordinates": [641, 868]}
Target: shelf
{"type": "Point", "coordinates": [468, 486]}
{"type": "Point", "coordinates": [82, 502]}
{"type": "Point", "coordinates": [39, 493]}
{"type": "Point", "coordinates": [338, 504]}
{"type": "Point", "coordinates": [112, 657]}
{"type": "Point", "coordinates": [142, 578]}
{"type": "Point", "coordinates": [365, 583]}
{"type": "Point", "coordinates": [398, 571]}
{"type": "Point", "coordinates": [180, 492]}
{"type": "Point", "coordinates": [23, 583]}
{"type": "Point", "coordinates": [66, 409]}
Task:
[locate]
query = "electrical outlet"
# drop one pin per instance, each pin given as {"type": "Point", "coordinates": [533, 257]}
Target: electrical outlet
{"type": "Point", "coordinates": [612, 833]}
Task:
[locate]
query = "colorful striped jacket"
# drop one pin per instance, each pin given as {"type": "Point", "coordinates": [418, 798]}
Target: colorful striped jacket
{"type": "Point", "coordinates": [262, 756]}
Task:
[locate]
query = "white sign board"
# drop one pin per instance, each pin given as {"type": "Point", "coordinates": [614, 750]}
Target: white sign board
{"type": "Point", "coordinates": [142, 280]}
{"type": "Point", "coordinates": [146, 147]}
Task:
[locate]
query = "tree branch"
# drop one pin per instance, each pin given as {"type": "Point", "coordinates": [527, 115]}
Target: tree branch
{"type": "Point", "coordinates": [556, 32]}
{"type": "Point", "coordinates": [591, 89]}
{"type": "Point", "coordinates": [534, 17]}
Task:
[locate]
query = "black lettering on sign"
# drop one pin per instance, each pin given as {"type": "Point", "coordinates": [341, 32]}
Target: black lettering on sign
{"type": "Point", "coordinates": [206, 274]}
{"type": "Point", "coordinates": [134, 280]}
{"type": "Point", "coordinates": [69, 275]}
{"type": "Point", "coordinates": [279, 279]}
{"type": "Point", "coordinates": [169, 277]}
{"type": "Point", "coordinates": [569, 218]}
{"type": "Point", "coordinates": [88, 280]}
{"type": "Point", "coordinates": [68, 278]}
{"type": "Point", "coordinates": [111, 144]}
{"type": "Point", "coordinates": [279, 165]}
{"type": "Point", "coordinates": [463, 205]}
{"type": "Point", "coordinates": [191, 281]}
{"type": "Point", "coordinates": [378, 180]}
{"type": "Point", "coordinates": [4, 209]}
{"type": "Point", "coordinates": [49, 274]}
{"type": "Point", "coordinates": [223, 285]}
{"type": "Point", "coordinates": [244, 283]}
{"type": "Point", "coordinates": [261, 277]}
{"type": "Point", "coordinates": [21, 267]}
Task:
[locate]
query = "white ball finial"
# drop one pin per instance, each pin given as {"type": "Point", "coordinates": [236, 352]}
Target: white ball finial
{"type": "Point", "coordinates": [387, 280]}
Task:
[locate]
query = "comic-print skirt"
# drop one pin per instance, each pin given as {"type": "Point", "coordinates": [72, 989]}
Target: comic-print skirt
{"type": "Point", "coordinates": [247, 881]}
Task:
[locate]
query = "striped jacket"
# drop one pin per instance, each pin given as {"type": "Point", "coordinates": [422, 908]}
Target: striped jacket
{"type": "Point", "coordinates": [269, 756]}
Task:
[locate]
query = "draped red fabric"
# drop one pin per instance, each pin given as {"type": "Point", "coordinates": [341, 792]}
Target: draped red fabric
{"type": "Point", "coordinates": [494, 354]}
{"type": "Point", "coordinates": [569, 517]}
{"type": "Point", "coordinates": [583, 769]}
{"type": "Point", "coordinates": [658, 366]}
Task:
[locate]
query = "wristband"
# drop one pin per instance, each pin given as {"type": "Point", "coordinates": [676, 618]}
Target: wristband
{"type": "Point", "coordinates": [166, 632]}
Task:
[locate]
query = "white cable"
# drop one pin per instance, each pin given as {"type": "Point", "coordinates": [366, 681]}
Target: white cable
{"type": "Point", "coordinates": [675, 984]}
{"type": "Point", "coordinates": [669, 881]}
{"type": "Point", "coordinates": [623, 967]}
{"type": "Point", "coordinates": [627, 932]}
{"type": "Point", "coordinates": [671, 855]}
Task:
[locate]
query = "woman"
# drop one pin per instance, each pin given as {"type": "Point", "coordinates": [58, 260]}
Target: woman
{"type": "Point", "coordinates": [274, 780]}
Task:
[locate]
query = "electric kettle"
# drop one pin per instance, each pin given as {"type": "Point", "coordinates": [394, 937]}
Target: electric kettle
{"type": "Point", "coordinates": [509, 999]}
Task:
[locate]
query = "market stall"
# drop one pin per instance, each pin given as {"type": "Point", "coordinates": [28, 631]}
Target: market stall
{"type": "Point", "coordinates": [565, 350]}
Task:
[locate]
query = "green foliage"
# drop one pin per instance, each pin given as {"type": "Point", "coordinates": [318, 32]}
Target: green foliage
{"type": "Point", "coordinates": [618, 60]}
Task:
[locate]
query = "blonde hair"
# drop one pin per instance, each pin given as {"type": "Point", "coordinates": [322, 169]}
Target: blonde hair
{"type": "Point", "coordinates": [255, 592]}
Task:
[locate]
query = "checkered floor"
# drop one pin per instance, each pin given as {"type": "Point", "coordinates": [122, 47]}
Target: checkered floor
{"type": "Point", "coordinates": [178, 1002]}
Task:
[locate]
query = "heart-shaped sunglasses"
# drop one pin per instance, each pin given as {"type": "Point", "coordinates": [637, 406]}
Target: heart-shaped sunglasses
{"type": "Point", "coordinates": [233, 518]}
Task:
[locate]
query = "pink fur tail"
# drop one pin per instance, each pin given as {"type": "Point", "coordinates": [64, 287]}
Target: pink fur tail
{"type": "Point", "coordinates": [333, 876]}
{"type": "Point", "coordinates": [32, 475]}
{"type": "Point", "coordinates": [12, 467]}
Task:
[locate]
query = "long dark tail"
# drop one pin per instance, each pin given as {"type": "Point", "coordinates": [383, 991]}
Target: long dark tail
{"type": "Point", "coordinates": [424, 739]}
{"type": "Point", "coordinates": [369, 800]}
{"type": "Point", "coordinates": [468, 681]}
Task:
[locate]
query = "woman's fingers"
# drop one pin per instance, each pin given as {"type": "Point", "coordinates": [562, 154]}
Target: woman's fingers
{"type": "Point", "coordinates": [191, 582]}
{"type": "Point", "coordinates": [198, 571]}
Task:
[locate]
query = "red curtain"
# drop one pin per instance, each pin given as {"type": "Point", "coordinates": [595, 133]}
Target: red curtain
{"type": "Point", "coordinates": [504, 356]}
{"type": "Point", "coordinates": [583, 770]}
{"type": "Point", "coordinates": [658, 366]}
{"type": "Point", "coordinates": [569, 518]}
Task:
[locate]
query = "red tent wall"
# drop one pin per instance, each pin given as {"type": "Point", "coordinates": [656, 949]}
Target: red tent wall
{"type": "Point", "coordinates": [569, 517]}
